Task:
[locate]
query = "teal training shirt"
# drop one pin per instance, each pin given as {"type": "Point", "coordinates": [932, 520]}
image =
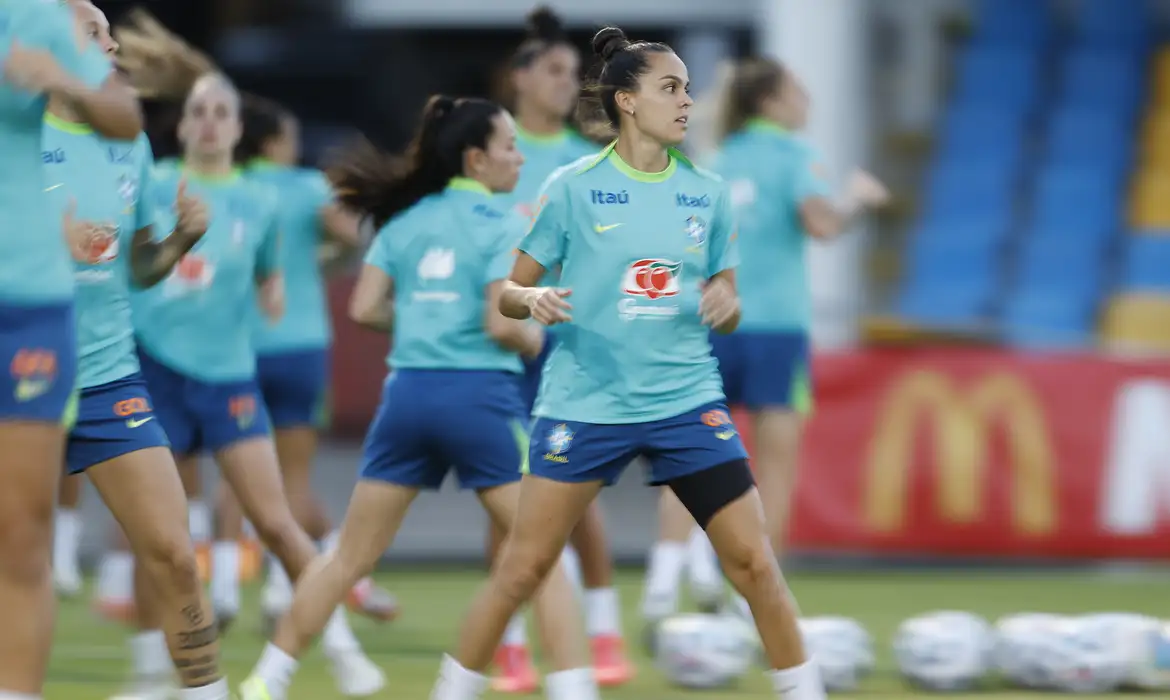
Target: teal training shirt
{"type": "Point", "coordinates": [104, 180]}
{"type": "Point", "coordinates": [635, 249]}
{"type": "Point", "coordinates": [199, 321]}
{"type": "Point", "coordinates": [442, 253]}
{"type": "Point", "coordinates": [771, 173]}
{"type": "Point", "coordinates": [35, 263]}
{"type": "Point", "coordinates": [302, 193]}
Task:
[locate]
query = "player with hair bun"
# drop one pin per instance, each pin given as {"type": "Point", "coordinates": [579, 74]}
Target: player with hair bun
{"type": "Point", "coordinates": [545, 84]}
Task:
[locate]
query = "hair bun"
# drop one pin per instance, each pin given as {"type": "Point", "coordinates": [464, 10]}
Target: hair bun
{"type": "Point", "coordinates": [544, 25]}
{"type": "Point", "coordinates": [608, 42]}
{"type": "Point", "coordinates": [440, 106]}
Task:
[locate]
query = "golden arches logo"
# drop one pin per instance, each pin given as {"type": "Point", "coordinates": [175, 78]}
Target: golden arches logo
{"type": "Point", "coordinates": [961, 423]}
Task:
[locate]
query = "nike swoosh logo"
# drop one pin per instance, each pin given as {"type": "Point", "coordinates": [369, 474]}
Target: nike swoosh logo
{"type": "Point", "coordinates": [602, 229]}
{"type": "Point", "coordinates": [53, 187]}
{"type": "Point", "coordinates": [135, 423]}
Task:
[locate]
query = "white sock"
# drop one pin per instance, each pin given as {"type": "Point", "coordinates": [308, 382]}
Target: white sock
{"type": "Point", "coordinates": [572, 564]}
{"type": "Point", "coordinates": [516, 634]}
{"type": "Point", "coordinates": [602, 612]}
{"type": "Point", "coordinates": [199, 521]}
{"type": "Point", "coordinates": [660, 597]}
{"type": "Point", "coordinates": [149, 655]}
{"type": "Point", "coordinates": [801, 682]}
{"type": "Point", "coordinates": [66, 540]}
{"type": "Point", "coordinates": [574, 684]}
{"type": "Point", "coordinates": [278, 583]}
{"type": "Point", "coordinates": [225, 576]}
{"type": "Point", "coordinates": [338, 636]}
{"type": "Point", "coordinates": [458, 683]}
{"type": "Point", "coordinates": [116, 576]}
{"type": "Point", "coordinates": [703, 568]}
{"type": "Point", "coordinates": [9, 695]}
{"type": "Point", "coordinates": [276, 669]}
{"type": "Point", "coordinates": [218, 690]}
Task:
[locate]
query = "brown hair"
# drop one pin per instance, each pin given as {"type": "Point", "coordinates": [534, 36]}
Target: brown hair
{"type": "Point", "coordinates": [621, 63]}
{"type": "Point", "coordinates": [750, 82]}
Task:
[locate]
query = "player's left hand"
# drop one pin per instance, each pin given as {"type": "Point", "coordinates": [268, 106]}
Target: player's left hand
{"type": "Point", "coordinates": [719, 303]}
{"type": "Point", "coordinates": [271, 298]}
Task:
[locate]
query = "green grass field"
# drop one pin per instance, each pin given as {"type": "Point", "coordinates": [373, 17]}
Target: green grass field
{"type": "Point", "coordinates": [89, 659]}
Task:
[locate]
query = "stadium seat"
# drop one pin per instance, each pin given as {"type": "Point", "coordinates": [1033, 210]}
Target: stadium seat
{"type": "Point", "coordinates": [1068, 265]}
{"type": "Point", "coordinates": [1138, 322]}
{"type": "Point", "coordinates": [1083, 201]}
{"type": "Point", "coordinates": [1146, 263]}
{"type": "Point", "coordinates": [999, 77]}
{"type": "Point", "coordinates": [1047, 320]}
{"type": "Point", "coordinates": [956, 188]}
{"type": "Point", "coordinates": [979, 132]}
{"type": "Point", "coordinates": [1121, 23]}
{"type": "Point", "coordinates": [963, 302]}
{"type": "Point", "coordinates": [1107, 79]}
{"type": "Point", "coordinates": [1149, 203]}
{"type": "Point", "coordinates": [1010, 23]}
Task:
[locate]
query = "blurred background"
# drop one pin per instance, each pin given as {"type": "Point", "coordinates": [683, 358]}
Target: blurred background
{"type": "Point", "coordinates": [990, 372]}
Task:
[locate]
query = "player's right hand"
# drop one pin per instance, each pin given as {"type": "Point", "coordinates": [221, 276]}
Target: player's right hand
{"type": "Point", "coordinates": [867, 190]}
{"type": "Point", "coordinates": [548, 306]}
{"type": "Point", "coordinates": [191, 216]}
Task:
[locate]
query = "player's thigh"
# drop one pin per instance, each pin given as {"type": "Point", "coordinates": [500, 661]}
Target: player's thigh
{"type": "Point", "coordinates": [396, 450]}
{"type": "Point", "coordinates": [776, 366]}
{"type": "Point", "coordinates": [143, 492]}
{"type": "Point", "coordinates": [30, 467]}
{"type": "Point", "coordinates": [538, 515]}
{"type": "Point", "coordinates": [375, 513]}
{"type": "Point", "coordinates": [727, 348]}
{"type": "Point", "coordinates": [692, 442]}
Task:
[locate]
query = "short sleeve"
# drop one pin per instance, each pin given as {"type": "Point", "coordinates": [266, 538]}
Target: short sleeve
{"type": "Point", "coordinates": [380, 255]}
{"type": "Point", "coordinates": [548, 233]}
{"type": "Point", "coordinates": [50, 27]}
{"type": "Point", "coordinates": [809, 179]}
{"type": "Point", "coordinates": [268, 255]}
{"type": "Point", "coordinates": [143, 205]}
{"type": "Point", "coordinates": [723, 251]}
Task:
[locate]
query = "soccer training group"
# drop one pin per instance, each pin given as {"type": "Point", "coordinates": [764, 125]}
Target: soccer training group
{"type": "Point", "coordinates": [571, 306]}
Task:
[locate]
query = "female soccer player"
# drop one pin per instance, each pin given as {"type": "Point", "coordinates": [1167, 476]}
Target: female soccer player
{"type": "Point", "coordinates": [194, 331]}
{"type": "Point", "coordinates": [39, 58]}
{"type": "Point", "coordinates": [434, 275]}
{"type": "Point", "coordinates": [97, 188]}
{"type": "Point", "coordinates": [782, 200]}
{"type": "Point", "coordinates": [632, 373]}
{"type": "Point", "coordinates": [545, 70]}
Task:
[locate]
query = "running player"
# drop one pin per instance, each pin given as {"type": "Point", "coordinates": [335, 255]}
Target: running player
{"type": "Point", "coordinates": [632, 373]}
{"type": "Point", "coordinates": [194, 331]}
{"type": "Point", "coordinates": [292, 361]}
{"type": "Point", "coordinates": [434, 275]}
{"type": "Point", "coordinates": [97, 187]}
{"type": "Point", "coordinates": [39, 57]}
{"type": "Point", "coordinates": [545, 70]}
{"type": "Point", "coordinates": [782, 201]}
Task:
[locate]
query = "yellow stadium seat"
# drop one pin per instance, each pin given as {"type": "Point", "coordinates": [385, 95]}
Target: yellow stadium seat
{"type": "Point", "coordinates": [1137, 322]}
{"type": "Point", "coordinates": [1150, 199]}
{"type": "Point", "coordinates": [1155, 141]}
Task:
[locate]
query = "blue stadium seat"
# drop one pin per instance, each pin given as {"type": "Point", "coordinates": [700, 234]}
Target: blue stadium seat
{"type": "Point", "coordinates": [1146, 263]}
{"type": "Point", "coordinates": [1083, 200]}
{"type": "Point", "coordinates": [1126, 23]}
{"type": "Point", "coordinates": [1010, 22]}
{"type": "Point", "coordinates": [957, 187]}
{"type": "Point", "coordinates": [999, 77]}
{"type": "Point", "coordinates": [1047, 320]}
{"type": "Point", "coordinates": [1071, 124]}
{"type": "Point", "coordinates": [964, 301]}
{"type": "Point", "coordinates": [982, 132]}
{"type": "Point", "coordinates": [1108, 79]}
{"type": "Point", "coordinates": [1060, 265]}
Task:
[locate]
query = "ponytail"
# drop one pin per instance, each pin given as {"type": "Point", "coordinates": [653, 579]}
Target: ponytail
{"type": "Point", "coordinates": [381, 185]}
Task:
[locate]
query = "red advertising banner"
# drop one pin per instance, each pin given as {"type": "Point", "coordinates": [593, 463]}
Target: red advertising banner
{"type": "Point", "coordinates": [943, 452]}
{"type": "Point", "coordinates": [976, 453]}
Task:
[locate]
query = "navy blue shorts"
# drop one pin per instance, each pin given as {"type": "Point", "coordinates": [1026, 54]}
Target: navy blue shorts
{"type": "Point", "coordinates": [113, 419]}
{"type": "Point", "coordinates": [765, 370]}
{"type": "Point", "coordinates": [199, 415]}
{"type": "Point", "coordinates": [431, 422]}
{"type": "Point", "coordinates": [533, 371]}
{"type": "Point", "coordinates": [699, 439]}
{"type": "Point", "coordinates": [38, 348]}
{"type": "Point", "coordinates": [294, 386]}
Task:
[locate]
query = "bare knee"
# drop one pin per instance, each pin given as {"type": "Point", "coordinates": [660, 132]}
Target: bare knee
{"type": "Point", "coordinates": [278, 530]}
{"type": "Point", "coordinates": [751, 566]}
{"type": "Point", "coordinates": [26, 539]}
{"type": "Point", "coordinates": [520, 571]}
{"type": "Point", "coordinates": [170, 562]}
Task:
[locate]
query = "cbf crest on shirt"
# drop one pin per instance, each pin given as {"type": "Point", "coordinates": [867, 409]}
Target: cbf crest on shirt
{"type": "Point", "coordinates": [102, 182]}
{"type": "Point", "coordinates": [635, 249]}
{"type": "Point", "coordinates": [199, 319]}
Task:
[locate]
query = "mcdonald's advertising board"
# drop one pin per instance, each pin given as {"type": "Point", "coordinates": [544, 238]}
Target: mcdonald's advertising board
{"type": "Point", "coordinates": [938, 451]}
